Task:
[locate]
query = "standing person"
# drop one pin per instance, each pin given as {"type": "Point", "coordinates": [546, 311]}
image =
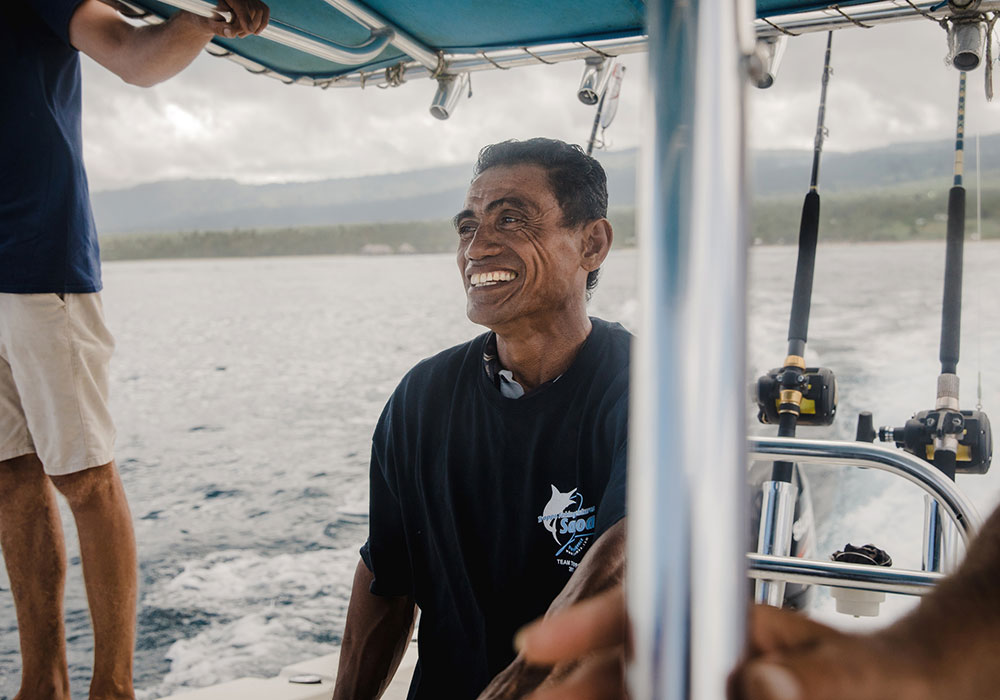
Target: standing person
{"type": "Point", "coordinates": [55, 427]}
{"type": "Point", "coordinates": [498, 466]}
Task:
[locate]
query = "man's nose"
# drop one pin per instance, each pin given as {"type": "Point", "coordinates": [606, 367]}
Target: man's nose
{"type": "Point", "coordinates": [485, 242]}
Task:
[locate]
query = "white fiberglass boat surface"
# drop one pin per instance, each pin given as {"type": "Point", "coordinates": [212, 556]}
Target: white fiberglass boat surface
{"type": "Point", "coordinates": [307, 680]}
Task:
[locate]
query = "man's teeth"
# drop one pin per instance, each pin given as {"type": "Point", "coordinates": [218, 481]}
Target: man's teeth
{"type": "Point", "coordinates": [485, 279]}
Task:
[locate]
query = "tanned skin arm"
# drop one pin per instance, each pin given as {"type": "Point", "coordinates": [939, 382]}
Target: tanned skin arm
{"type": "Point", "coordinates": [147, 55]}
{"type": "Point", "coordinates": [946, 649]}
{"type": "Point", "coordinates": [602, 567]}
{"type": "Point", "coordinates": [943, 650]}
{"type": "Point", "coordinates": [376, 635]}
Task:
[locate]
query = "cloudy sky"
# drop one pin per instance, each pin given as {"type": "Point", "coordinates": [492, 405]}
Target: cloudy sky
{"type": "Point", "coordinates": [890, 84]}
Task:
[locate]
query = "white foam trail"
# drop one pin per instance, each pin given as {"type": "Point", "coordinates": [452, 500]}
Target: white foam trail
{"type": "Point", "coordinates": [272, 611]}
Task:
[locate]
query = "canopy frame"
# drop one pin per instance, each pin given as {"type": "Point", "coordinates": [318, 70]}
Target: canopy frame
{"type": "Point", "coordinates": [423, 61]}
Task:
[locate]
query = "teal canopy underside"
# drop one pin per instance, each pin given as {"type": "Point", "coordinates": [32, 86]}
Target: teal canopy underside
{"type": "Point", "coordinates": [453, 26]}
{"type": "Point", "coordinates": [772, 8]}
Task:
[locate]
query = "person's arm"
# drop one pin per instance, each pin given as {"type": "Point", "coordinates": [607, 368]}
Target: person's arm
{"type": "Point", "coordinates": [376, 635]}
{"type": "Point", "coordinates": [602, 567]}
{"type": "Point", "coordinates": [946, 649]}
{"type": "Point", "coordinates": [594, 634]}
{"type": "Point", "coordinates": [150, 54]}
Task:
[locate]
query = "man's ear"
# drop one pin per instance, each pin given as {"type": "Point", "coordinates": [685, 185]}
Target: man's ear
{"type": "Point", "coordinates": [597, 239]}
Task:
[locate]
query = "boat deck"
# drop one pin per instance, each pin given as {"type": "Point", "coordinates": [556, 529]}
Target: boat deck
{"type": "Point", "coordinates": [322, 670]}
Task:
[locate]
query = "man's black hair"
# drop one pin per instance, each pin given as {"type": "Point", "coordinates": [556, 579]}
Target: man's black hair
{"type": "Point", "coordinates": [577, 180]}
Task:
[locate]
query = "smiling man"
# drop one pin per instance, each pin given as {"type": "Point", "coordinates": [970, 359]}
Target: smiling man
{"type": "Point", "coordinates": [498, 466]}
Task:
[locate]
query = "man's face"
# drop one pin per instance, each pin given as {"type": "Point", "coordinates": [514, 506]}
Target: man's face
{"type": "Point", "coordinates": [521, 266]}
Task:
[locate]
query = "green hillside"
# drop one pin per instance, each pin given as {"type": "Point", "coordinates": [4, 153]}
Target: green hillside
{"type": "Point", "coordinates": [345, 239]}
{"type": "Point", "coordinates": [914, 211]}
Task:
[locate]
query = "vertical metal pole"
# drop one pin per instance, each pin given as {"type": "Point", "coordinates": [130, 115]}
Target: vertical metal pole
{"type": "Point", "coordinates": [687, 486]}
{"type": "Point", "coordinates": [932, 559]}
{"type": "Point", "coordinates": [777, 516]}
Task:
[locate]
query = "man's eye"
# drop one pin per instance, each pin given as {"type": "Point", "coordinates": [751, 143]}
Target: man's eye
{"type": "Point", "coordinates": [466, 230]}
{"type": "Point", "coordinates": [508, 220]}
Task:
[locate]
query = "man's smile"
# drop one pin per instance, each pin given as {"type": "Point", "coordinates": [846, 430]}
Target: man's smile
{"type": "Point", "coordinates": [488, 279]}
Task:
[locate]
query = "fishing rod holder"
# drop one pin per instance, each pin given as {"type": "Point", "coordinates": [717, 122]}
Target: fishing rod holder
{"type": "Point", "coordinates": [966, 41]}
{"type": "Point", "coordinates": [808, 392]}
{"type": "Point", "coordinates": [777, 520]}
{"type": "Point", "coordinates": [766, 60]}
{"type": "Point", "coordinates": [952, 504]}
{"type": "Point", "coordinates": [593, 83]}
{"type": "Point", "coordinates": [449, 91]}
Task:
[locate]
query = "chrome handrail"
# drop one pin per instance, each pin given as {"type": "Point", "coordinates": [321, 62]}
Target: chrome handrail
{"type": "Point", "coordinates": [864, 454]}
{"type": "Point", "coordinates": [832, 573]}
{"type": "Point", "coordinates": [365, 16]}
{"type": "Point", "coordinates": [293, 37]}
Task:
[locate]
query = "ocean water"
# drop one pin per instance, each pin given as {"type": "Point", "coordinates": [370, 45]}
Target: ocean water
{"type": "Point", "coordinates": [245, 392]}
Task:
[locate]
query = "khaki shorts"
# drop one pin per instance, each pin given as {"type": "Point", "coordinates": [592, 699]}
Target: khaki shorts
{"type": "Point", "coordinates": [54, 356]}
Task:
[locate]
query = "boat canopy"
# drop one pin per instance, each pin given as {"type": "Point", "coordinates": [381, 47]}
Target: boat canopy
{"type": "Point", "coordinates": [341, 43]}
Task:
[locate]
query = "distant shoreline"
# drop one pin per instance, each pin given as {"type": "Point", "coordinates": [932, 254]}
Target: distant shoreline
{"type": "Point", "coordinates": [617, 248]}
{"type": "Point", "coordinates": [866, 218]}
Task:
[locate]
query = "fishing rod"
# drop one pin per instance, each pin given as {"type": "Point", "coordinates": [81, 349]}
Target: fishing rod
{"type": "Point", "coordinates": [597, 123]}
{"type": "Point", "coordinates": [947, 426]}
{"type": "Point", "coordinates": [953, 440]}
{"type": "Point", "coordinates": [607, 106]}
{"type": "Point", "coordinates": [795, 394]}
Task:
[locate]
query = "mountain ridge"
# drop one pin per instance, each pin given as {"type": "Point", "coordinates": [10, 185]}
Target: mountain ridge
{"type": "Point", "coordinates": [437, 193]}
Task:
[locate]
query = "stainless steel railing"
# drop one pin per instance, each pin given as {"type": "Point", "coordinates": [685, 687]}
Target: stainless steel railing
{"type": "Point", "coordinates": [831, 573]}
{"type": "Point", "coordinates": [951, 501]}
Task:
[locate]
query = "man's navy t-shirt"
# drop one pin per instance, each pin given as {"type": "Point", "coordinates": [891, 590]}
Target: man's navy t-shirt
{"type": "Point", "coordinates": [48, 242]}
{"type": "Point", "coordinates": [482, 506]}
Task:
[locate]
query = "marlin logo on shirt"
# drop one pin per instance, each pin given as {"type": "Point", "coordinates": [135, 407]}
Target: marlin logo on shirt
{"type": "Point", "coordinates": [570, 524]}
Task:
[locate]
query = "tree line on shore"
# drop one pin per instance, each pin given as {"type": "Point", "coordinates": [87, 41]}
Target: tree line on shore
{"type": "Point", "coordinates": [912, 213]}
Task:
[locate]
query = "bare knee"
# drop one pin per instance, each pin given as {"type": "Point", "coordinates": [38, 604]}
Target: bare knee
{"type": "Point", "coordinates": [90, 487]}
{"type": "Point", "coordinates": [19, 476]}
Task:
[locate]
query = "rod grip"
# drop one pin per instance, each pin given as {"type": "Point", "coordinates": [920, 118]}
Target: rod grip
{"type": "Point", "coordinates": [798, 324]}
{"type": "Point", "coordinates": [951, 308]}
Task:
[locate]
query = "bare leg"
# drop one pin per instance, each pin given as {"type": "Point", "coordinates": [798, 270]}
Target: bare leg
{"type": "Point", "coordinates": [32, 542]}
{"type": "Point", "coordinates": [107, 549]}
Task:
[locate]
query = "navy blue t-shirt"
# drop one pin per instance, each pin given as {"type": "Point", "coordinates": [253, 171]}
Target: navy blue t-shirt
{"type": "Point", "coordinates": [482, 506]}
{"type": "Point", "coordinates": [48, 242]}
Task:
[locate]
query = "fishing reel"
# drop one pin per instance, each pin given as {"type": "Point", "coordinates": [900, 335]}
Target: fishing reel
{"type": "Point", "coordinates": [809, 392]}
{"type": "Point", "coordinates": [971, 428]}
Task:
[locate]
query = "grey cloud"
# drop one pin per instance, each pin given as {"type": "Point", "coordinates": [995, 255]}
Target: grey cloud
{"type": "Point", "coordinates": [217, 120]}
{"type": "Point", "coordinates": [889, 84]}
